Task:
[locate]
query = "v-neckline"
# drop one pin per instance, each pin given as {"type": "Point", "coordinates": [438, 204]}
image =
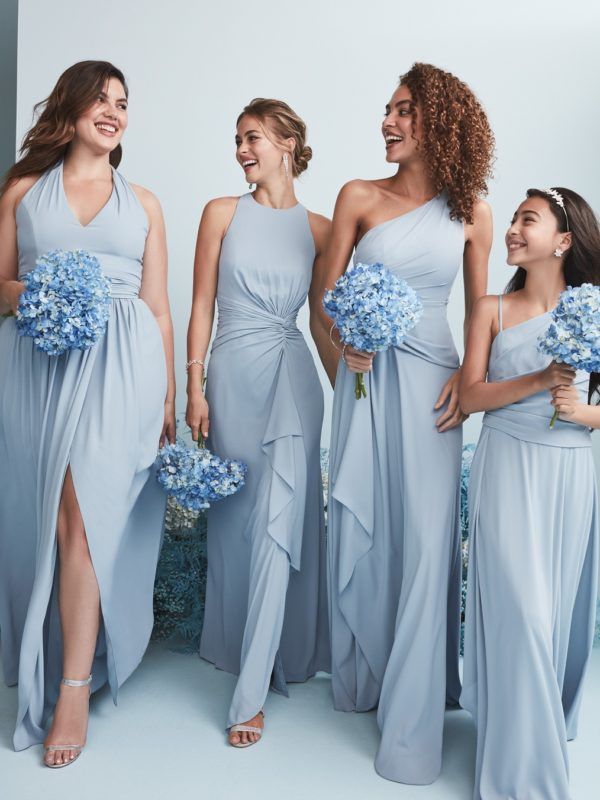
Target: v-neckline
{"type": "Point", "coordinates": [66, 199]}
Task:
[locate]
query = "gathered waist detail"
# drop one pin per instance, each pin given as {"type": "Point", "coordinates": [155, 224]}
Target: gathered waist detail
{"type": "Point", "coordinates": [536, 428]}
{"type": "Point", "coordinates": [256, 318]}
{"type": "Point", "coordinates": [121, 290]}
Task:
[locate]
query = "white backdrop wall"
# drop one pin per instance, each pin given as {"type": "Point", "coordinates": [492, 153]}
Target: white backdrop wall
{"type": "Point", "coordinates": [192, 66]}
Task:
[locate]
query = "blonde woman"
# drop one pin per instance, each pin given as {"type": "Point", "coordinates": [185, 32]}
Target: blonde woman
{"type": "Point", "coordinates": [258, 256]}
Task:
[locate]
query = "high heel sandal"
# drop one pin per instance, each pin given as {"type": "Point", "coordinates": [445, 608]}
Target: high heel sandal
{"type": "Point", "coordinates": [52, 748]}
{"type": "Point", "coordinates": [248, 729]}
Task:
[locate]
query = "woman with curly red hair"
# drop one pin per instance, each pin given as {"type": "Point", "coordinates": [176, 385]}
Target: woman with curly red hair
{"type": "Point", "coordinates": [394, 543]}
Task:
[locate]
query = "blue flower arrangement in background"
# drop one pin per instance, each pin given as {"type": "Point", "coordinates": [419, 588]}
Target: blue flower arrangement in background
{"type": "Point", "coordinates": [181, 576]}
{"type": "Point", "coordinates": [373, 310]}
{"type": "Point", "coordinates": [194, 477]}
{"type": "Point", "coordinates": [573, 336]}
{"type": "Point", "coordinates": [66, 302]}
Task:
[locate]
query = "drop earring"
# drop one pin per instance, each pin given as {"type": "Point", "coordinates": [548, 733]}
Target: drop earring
{"type": "Point", "coordinates": [558, 252]}
{"type": "Point", "coordinates": [250, 186]}
{"type": "Point", "coordinates": [286, 165]}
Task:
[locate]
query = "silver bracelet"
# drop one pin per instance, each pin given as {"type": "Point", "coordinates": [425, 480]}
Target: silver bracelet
{"type": "Point", "coordinates": [331, 337]}
{"type": "Point", "coordinates": [344, 353]}
{"type": "Point", "coordinates": [193, 362]}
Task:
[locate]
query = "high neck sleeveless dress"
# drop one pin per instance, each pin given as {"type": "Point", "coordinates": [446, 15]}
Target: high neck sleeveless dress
{"type": "Point", "coordinates": [533, 568]}
{"type": "Point", "coordinates": [101, 412]}
{"type": "Point", "coordinates": [394, 540]}
{"type": "Point", "coordinates": [266, 610]}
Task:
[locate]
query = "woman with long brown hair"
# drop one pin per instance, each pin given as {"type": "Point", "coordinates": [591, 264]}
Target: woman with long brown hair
{"type": "Point", "coordinates": [394, 557]}
{"type": "Point", "coordinates": [81, 513]}
{"type": "Point", "coordinates": [258, 257]}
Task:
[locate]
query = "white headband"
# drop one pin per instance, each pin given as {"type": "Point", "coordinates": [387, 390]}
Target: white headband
{"type": "Point", "coordinates": [558, 199]}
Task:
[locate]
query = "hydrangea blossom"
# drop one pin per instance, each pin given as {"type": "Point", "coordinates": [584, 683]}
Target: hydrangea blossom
{"type": "Point", "coordinates": [194, 477]}
{"type": "Point", "coordinates": [373, 310]}
{"type": "Point", "coordinates": [573, 336]}
{"type": "Point", "coordinates": [66, 302]}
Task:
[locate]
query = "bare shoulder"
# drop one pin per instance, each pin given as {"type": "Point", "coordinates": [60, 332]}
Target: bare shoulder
{"type": "Point", "coordinates": [482, 213]}
{"type": "Point", "coordinates": [359, 189]}
{"type": "Point", "coordinates": [14, 193]}
{"type": "Point", "coordinates": [148, 200]}
{"type": "Point", "coordinates": [221, 206]}
{"type": "Point", "coordinates": [320, 227]}
{"type": "Point", "coordinates": [486, 307]}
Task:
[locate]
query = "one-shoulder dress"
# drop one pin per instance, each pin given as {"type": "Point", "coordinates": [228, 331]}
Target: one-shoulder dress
{"type": "Point", "coordinates": [394, 539]}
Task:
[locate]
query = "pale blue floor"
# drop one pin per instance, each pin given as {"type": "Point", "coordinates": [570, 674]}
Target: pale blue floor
{"type": "Point", "coordinates": [165, 742]}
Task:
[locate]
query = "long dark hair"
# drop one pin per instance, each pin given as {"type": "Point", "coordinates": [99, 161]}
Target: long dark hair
{"type": "Point", "coordinates": [46, 142]}
{"type": "Point", "coordinates": [582, 259]}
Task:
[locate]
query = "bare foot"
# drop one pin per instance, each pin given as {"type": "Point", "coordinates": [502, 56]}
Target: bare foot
{"type": "Point", "coordinates": [69, 725]}
{"type": "Point", "coordinates": [248, 737]}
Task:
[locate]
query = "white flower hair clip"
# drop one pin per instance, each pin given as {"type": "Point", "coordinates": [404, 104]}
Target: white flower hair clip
{"type": "Point", "coordinates": [558, 199]}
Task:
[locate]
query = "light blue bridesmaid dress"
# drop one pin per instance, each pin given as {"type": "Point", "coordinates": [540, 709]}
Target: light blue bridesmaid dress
{"type": "Point", "coordinates": [533, 568]}
{"type": "Point", "coordinates": [101, 412]}
{"type": "Point", "coordinates": [394, 540]}
{"type": "Point", "coordinates": [266, 609]}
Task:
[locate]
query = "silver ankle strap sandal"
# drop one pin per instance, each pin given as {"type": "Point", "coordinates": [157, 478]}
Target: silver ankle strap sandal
{"type": "Point", "coordinates": [53, 748]}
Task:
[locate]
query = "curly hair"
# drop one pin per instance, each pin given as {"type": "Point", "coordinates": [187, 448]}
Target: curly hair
{"type": "Point", "coordinates": [284, 123]}
{"type": "Point", "coordinates": [458, 143]}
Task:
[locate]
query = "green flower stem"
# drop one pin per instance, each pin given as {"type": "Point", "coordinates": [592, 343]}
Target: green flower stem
{"type": "Point", "coordinates": [554, 418]}
{"type": "Point", "coordinates": [360, 390]}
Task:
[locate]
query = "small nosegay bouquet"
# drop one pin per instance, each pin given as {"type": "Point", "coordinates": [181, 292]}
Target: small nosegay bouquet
{"type": "Point", "coordinates": [373, 310]}
{"type": "Point", "coordinates": [195, 477]}
{"type": "Point", "coordinates": [573, 336]}
{"type": "Point", "coordinates": [66, 302]}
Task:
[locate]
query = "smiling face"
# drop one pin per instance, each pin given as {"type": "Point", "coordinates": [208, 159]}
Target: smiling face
{"type": "Point", "coordinates": [397, 127]}
{"type": "Point", "coordinates": [101, 127]}
{"type": "Point", "coordinates": [533, 235]}
{"type": "Point", "coordinates": [258, 155]}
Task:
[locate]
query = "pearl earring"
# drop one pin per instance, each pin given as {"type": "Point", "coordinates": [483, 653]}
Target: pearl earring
{"type": "Point", "coordinates": [558, 252]}
{"type": "Point", "coordinates": [286, 166]}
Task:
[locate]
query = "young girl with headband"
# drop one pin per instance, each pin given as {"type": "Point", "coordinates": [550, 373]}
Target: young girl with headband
{"type": "Point", "coordinates": [533, 510]}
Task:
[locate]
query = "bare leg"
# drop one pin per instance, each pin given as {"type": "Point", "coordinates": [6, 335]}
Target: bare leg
{"type": "Point", "coordinates": [79, 604]}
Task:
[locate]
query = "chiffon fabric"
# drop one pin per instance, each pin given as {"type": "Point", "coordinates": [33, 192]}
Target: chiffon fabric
{"type": "Point", "coordinates": [266, 609]}
{"type": "Point", "coordinates": [99, 411]}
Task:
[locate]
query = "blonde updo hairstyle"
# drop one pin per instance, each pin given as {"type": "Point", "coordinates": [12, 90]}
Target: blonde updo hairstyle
{"type": "Point", "coordinates": [278, 120]}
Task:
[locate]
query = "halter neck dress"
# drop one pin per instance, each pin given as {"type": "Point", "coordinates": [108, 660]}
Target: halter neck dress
{"type": "Point", "coordinates": [101, 412]}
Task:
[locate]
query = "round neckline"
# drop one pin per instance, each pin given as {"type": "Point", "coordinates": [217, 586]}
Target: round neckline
{"type": "Point", "coordinates": [270, 208]}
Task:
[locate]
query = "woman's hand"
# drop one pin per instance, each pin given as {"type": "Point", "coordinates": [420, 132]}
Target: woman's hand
{"type": "Point", "coordinates": [453, 415]}
{"type": "Point", "coordinates": [168, 428]}
{"type": "Point", "coordinates": [196, 415]}
{"type": "Point", "coordinates": [555, 375]}
{"type": "Point", "coordinates": [566, 400]}
{"type": "Point", "coordinates": [356, 361]}
{"type": "Point", "coordinates": [12, 291]}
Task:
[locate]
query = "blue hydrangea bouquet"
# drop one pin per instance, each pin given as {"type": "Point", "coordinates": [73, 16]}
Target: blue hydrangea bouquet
{"type": "Point", "coordinates": [195, 478]}
{"type": "Point", "coordinates": [373, 310]}
{"type": "Point", "coordinates": [66, 302]}
{"type": "Point", "coordinates": [573, 336]}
